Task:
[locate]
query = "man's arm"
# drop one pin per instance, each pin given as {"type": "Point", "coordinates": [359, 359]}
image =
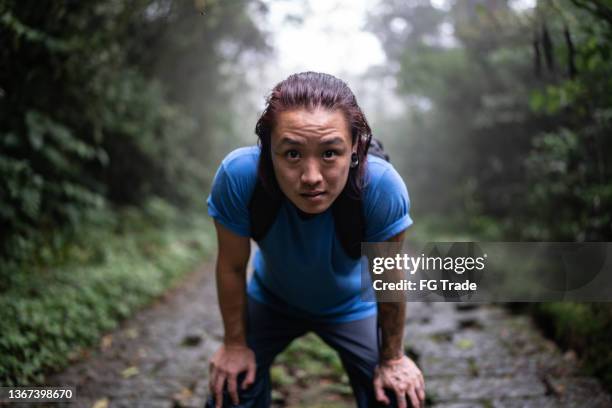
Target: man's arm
{"type": "Point", "coordinates": [395, 370]}
{"type": "Point", "coordinates": [233, 256]}
{"type": "Point", "coordinates": [391, 318]}
{"type": "Point", "coordinates": [234, 356]}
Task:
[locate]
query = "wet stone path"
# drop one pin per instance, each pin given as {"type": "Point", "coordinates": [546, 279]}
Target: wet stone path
{"type": "Point", "coordinates": [472, 356]}
{"type": "Point", "coordinates": [483, 356]}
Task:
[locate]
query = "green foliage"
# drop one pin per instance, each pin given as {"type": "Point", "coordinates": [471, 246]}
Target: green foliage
{"type": "Point", "coordinates": [584, 327]}
{"type": "Point", "coordinates": [464, 138]}
{"type": "Point", "coordinates": [90, 282]}
{"type": "Point", "coordinates": [54, 81]}
{"type": "Point", "coordinates": [560, 174]}
{"type": "Point", "coordinates": [511, 122]}
{"type": "Point", "coordinates": [570, 165]}
{"type": "Point", "coordinates": [106, 104]}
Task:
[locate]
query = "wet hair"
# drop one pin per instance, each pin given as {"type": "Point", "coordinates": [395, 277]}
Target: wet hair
{"type": "Point", "coordinates": [312, 90]}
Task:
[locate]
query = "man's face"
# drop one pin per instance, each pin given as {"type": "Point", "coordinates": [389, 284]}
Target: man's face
{"type": "Point", "coordinates": [311, 155]}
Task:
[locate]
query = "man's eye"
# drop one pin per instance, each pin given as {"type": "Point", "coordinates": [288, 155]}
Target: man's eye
{"type": "Point", "coordinates": [292, 154]}
{"type": "Point", "coordinates": [328, 154]}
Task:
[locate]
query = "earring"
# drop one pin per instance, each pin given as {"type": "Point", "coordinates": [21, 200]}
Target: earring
{"type": "Point", "coordinates": [354, 160]}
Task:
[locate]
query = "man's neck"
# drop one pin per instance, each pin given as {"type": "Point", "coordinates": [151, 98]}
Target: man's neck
{"type": "Point", "coordinates": [303, 215]}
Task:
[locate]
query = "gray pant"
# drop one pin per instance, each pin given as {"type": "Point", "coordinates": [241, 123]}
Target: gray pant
{"type": "Point", "coordinates": [270, 330]}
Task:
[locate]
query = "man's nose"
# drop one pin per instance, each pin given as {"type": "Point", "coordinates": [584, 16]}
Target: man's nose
{"type": "Point", "coordinates": [311, 174]}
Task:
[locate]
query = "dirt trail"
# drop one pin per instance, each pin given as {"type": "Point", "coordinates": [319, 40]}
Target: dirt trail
{"type": "Point", "coordinates": [472, 356]}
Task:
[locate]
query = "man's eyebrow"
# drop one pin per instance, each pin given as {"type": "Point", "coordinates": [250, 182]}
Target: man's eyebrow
{"type": "Point", "coordinates": [291, 141]}
{"type": "Point", "coordinates": [331, 141]}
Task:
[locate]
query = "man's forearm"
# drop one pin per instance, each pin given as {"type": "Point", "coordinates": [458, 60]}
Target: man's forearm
{"type": "Point", "coordinates": [231, 289]}
{"type": "Point", "coordinates": [391, 317]}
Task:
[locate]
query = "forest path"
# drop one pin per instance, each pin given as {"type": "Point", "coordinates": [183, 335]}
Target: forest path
{"type": "Point", "coordinates": [471, 355]}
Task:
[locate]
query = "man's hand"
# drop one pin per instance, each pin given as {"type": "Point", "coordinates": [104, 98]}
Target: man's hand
{"type": "Point", "coordinates": [226, 364]}
{"type": "Point", "coordinates": [403, 377]}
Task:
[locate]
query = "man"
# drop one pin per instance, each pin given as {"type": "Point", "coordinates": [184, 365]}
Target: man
{"type": "Point", "coordinates": [304, 194]}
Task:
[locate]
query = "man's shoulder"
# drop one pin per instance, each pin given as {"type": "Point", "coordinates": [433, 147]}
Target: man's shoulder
{"type": "Point", "coordinates": [232, 188]}
{"type": "Point", "coordinates": [380, 173]}
{"type": "Point", "coordinates": [239, 171]}
{"type": "Point", "coordinates": [242, 161]}
{"type": "Point", "coordinates": [386, 201]}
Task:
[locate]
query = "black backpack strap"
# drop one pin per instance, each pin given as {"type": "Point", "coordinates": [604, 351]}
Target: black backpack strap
{"type": "Point", "coordinates": [350, 223]}
{"type": "Point", "coordinates": [263, 209]}
{"type": "Point", "coordinates": [347, 210]}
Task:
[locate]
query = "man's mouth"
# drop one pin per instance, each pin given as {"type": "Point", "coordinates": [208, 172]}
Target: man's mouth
{"type": "Point", "coordinates": [312, 194]}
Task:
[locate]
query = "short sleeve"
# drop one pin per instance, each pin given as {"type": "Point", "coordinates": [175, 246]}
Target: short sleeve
{"type": "Point", "coordinates": [230, 194]}
{"type": "Point", "coordinates": [386, 206]}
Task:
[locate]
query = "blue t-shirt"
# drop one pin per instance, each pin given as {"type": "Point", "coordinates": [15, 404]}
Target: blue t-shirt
{"type": "Point", "coordinates": [300, 265]}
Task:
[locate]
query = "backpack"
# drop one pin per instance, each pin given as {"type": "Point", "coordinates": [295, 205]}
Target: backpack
{"type": "Point", "coordinates": [347, 211]}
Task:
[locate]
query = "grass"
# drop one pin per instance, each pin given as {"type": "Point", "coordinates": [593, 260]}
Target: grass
{"type": "Point", "coordinates": [309, 373]}
{"type": "Point", "coordinates": [51, 310]}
